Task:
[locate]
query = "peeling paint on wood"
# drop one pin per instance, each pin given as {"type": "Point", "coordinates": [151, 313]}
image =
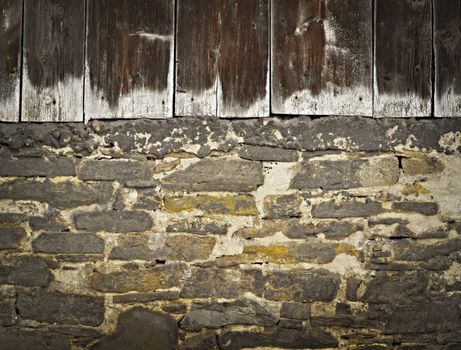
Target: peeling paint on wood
{"type": "Point", "coordinates": [447, 46]}
{"type": "Point", "coordinates": [53, 60]}
{"type": "Point", "coordinates": [403, 58]}
{"type": "Point", "coordinates": [322, 57]}
{"type": "Point", "coordinates": [10, 53]}
{"type": "Point", "coordinates": [222, 58]}
{"type": "Point", "coordinates": [130, 45]}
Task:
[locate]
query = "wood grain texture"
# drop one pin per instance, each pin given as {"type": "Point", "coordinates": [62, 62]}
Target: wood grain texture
{"type": "Point", "coordinates": [53, 63]}
{"type": "Point", "coordinates": [10, 62]}
{"type": "Point", "coordinates": [222, 58]}
{"type": "Point", "coordinates": [403, 58]}
{"type": "Point", "coordinates": [447, 48]}
{"type": "Point", "coordinates": [322, 57]}
{"type": "Point", "coordinates": [130, 53]}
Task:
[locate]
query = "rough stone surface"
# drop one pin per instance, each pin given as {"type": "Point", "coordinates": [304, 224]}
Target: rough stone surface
{"type": "Point", "coordinates": [216, 315]}
{"type": "Point", "coordinates": [198, 225]}
{"type": "Point", "coordinates": [68, 243]}
{"type": "Point", "coordinates": [297, 311]}
{"type": "Point", "coordinates": [115, 170]}
{"type": "Point", "coordinates": [217, 175]}
{"type": "Point", "coordinates": [268, 154]}
{"type": "Point", "coordinates": [114, 221]}
{"type": "Point", "coordinates": [26, 167]}
{"type": "Point", "coordinates": [421, 166]}
{"type": "Point", "coordinates": [11, 237]}
{"type": "Point", "coordinates": [346, 209]}
{"type": "Point", "coordinates": [425, 208]}
{"type": "Point", "coordinates": [278, 207]}
{"type": "Point", "coordinates": [408, 250]}
{"type": "Point", "coordinates": [13, 338]}
{"type": "Point", "coordinates": [225, 283]}
{"type": "Point", "coordinates": [164, 247]}
{"type": "Point", "coordinates": [51, 307]}
{"type": "Point", "coordinates": [337, 174]}
{"type": "Point", "coordinates": [133, 298]}
{"type": "Point", "coordinates": [314, 338]}
{"type": "Point", "coordinates": [140, 328]}
{"type": "Point", "coordinates": [142, 280]}
{"type": "Point", "coordinates": [305, 285]}
{"type": "Point", "coordinates": [25, 271]}
{"type": "Point", "coordinates": [60, 195]}
{"type": "Point", "coordinates": [225, 204]}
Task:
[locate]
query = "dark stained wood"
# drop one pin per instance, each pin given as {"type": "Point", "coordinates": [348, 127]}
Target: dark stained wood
{"type": "Point", "coordinates": [53, 63]}
{"type": "Point", "coordinates": [130, 45]}
{"type": "Point", "coordinates": [403, 58]}
{"type": "Point", "coordinates": [222, 58]}
{"type": "Point", "coordinates": [10, 53]}
{"type": "Point", "coordinates": [447, 46]}
{"type": "Point", "coordinates": [322, 57]}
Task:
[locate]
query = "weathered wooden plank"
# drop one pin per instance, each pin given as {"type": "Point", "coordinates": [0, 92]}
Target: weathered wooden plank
{"type": "Point", "coordinates": [447, 48]}
{"type": "Point", "coordinates": [52, 80]}
{"type": "Point", "coordinates": [322, 57]}
{"type": "Point", "coordinates": [222, 58]}
{"type": "Point", "coordinates": [130, 59]}
{"type": "Point", "coordinates": [10, 53]}
{"type": "Point", "coordinates": [403, 58]}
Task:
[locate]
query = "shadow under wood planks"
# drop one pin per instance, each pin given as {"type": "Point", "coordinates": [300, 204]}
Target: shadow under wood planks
{"type": "Point", "coordinates": [116, 59]}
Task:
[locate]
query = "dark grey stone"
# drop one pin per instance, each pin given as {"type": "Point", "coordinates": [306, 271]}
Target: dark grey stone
{"type": "Point", "coordinates": [386, 221]}
{"type": "Point", "coordinates": [141, 329]}
{"type": "Point", "coordinates": [268, 154]}
{"type": "Point", "coordinates": [416, 251]}
{"type": "Point", "coordinates": [148, 198]}
{"type": "Point", "coordinates": [216, 315]}
{"type": "Point", "coordinates": [68, 243]}
{"type": "Point", "coordinates": [145, 297]}
{"type": "Point", "coordinates": [60, 195]}
{"type": "Point", "coordinates": [346, 209]}
{"type": "Point", "coordinates": [12, 218]}
{"type": "Point", "coordinates": [284, 206]}
{"type": "Point", "coordinates": [11, 237]}
{"type": "Point", "coordinates": [25, 271]}
{"type": "Point", "coordinates": [25, 167]}
{"type": "Point", "coordinates": [290, 324]}
{"type": "Point", "coordinates": [203, 341]}
{"type": "Point", "coordinates": [302, 133]}
{"type": "Point", "coordinates": [424, 318]}
{"type": "Point", "coordinates": [305, 285]}
{"type": "Point", "coordinates": [13, 338]}
{"type": "Point", "coordinates": [51, 307]}
{"type": "Point", "coordinates": [396, 288]}
{"type": "Point", "coordinates": [425, 208]}
{"type": "Point", "coordinates": [313, 338]}
{"type": "Point", "coordinates": [335, 230]}
{"type": "Point", "coordinates": [198, 225]}
{"type": "Point", "coordinates": [318, 252]}
{"type": "Point", "coordinates": [339, 174]}
{"type": "Point", "coordinates": [51, 221]}
{"type": "Point", "coordinates": [7, 308]}
{"type": "Point", "coordinates": [217, 175]}
{"type": "Point", "coordinates": [114, 221]}
{"type": "Point", "coordinates": [297, 311]}
{"type": "Point", "coordinates": [222, 283]}
{"type": "Point", "coordinates": [115, 170]}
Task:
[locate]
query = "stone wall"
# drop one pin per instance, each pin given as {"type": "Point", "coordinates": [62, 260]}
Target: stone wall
{"type": "Point", "coordinates": [335, 233]}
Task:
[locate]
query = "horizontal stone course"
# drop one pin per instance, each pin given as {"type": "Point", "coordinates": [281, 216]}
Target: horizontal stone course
{"type": "Point", "coordinates": [115, 170]}
{"type": "Point", "coordinates": [346, 209]}
{"type": "Point", "coordinates": [114, 221]}
{"type": "Point", "coordinates": [11, 237]}
{"type": "Point", "coordinates": [268, 154]}
{"type": "Point", "coordinates": [29, 167]}
{"type": "Point", "coordinates": [350, 173]}
{"type": "Point", "coordinates": [216, 175]}
{"type": "Point", "coordinates": [68, 243]}
{"type": "Point", "coordinates": [25, 270]}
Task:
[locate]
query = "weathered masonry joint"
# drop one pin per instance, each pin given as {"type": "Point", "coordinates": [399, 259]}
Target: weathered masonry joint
{"type": "Point", "coordinates": [192, 233]}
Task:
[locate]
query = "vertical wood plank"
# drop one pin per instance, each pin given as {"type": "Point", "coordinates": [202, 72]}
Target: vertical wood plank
{"type": "Point", "coordinates": [447, 48]}
{"type": "Point", "coordinates": [322, 57]}
{"type": "Point", "coordinates": [403, 58]}
{"type": "Point", "coordinates": [222, 58]}
{"type": "Point", "coordinates": [130, 59]}
{"type": "Point", "coordinates": [53, 60]}
{"type": "Point", "coordinates": [10, 53]}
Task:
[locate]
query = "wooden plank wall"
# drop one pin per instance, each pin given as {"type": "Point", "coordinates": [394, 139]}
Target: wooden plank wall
{"type": "Point", "coordinates": [76, 60]}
